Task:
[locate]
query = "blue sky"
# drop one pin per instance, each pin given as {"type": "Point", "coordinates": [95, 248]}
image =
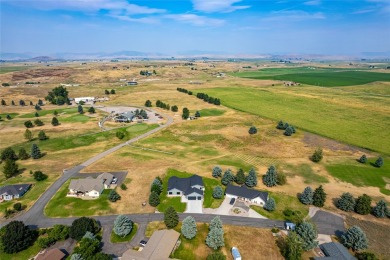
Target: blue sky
{"type": "Point", "coordinates": [336, 27]}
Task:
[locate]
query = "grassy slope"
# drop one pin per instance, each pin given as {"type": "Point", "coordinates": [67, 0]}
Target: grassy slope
{"type": "Point", "coordinates": [318, 77]}
{"type": "Point", "coordinates": [350, 125]}
{"type": "Point", "coordinates": [362, 174]}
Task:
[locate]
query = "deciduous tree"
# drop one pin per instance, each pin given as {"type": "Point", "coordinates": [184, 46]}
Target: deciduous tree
{"type": "Point", "coordinates": [91, 110]}
{"type": "Point", "coordinates": [15, 237]}
{"type": "Point", "coordinates": [8, 153]}
{"type": "Point", "coordinates": [317, 155]}
{"type": "Point", "coordinates": [39, 176]}
{"type": "Point", "coordinates": [81, 225]}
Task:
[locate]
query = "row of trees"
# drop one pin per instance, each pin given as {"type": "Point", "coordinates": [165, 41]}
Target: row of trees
{"type": "Point", "coordinates": [9, 156]}
{"type": "Point", "coordinates": [38, 122]}
{"type": "Point", "coordinates": [108, 92]}
{"type": "Point", "coordinates": [378, 163]}
{"type": "Point", "coordinates": [23, 103]}
{"type": "Point", "coordinates": [316, 198]}
{"type": "Point", "coordinates": [209, 99]}
{"type": "Point", "coordinates": [183, 90]}
{"type": "Point", "coordinates": [162, 105]}
{"type": "Point", "coordinates": [155, 190]}
{"type": "Point", "coordinates": [288, 129]}
{"type": "Point", "coordinates": [240, 178]}
{"type": "Point", "coordinates": [362, 205]}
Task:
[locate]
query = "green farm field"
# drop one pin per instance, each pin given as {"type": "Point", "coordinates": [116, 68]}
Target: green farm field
{"type": "Point", "coordinates": [323, 77]}
{"type": "Point", "coordinates": [345, 117]}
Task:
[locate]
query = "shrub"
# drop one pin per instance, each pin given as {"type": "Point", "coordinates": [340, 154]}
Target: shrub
{"type": "Point", "coordinates": [123, 186]}
{"type": "Point", "coordinates": [148, 103]}
{"type": "Point", "coordinates": [113, 196]}
{"type": "Point", "coordinates": [281, 179]}
{"type": "Point", "coordinates": [252, 130]}
{"type": "Point", "coordinates": [216, 256]}
{"type": "Point", "coordinates": [317, 155]}
{"type": "Point", "coordinates": [366, 256]}
{"type": "Point", "coordinates": [355, 238]}
{"type": "Point", "coordinates": [363, 159]}
{"type": "Point", "coordinates": [197, 114]}
{"type": "Point", "coordinates": [91, 110]}
{"type": "Point", "coordinates": [120, 135]}
{"type": "Point", "coordinates": [188, 228]}
{"type": "Point", "coordinates": [280, 125]}
{"type": "Point", "coordinates": [18, 206]}
{"type": "Point", "coordinates": [174, 108]}
{"type": "Point", "coordinates": [217, 192]}
{"type": "Point", "coordinates": [39, 176]}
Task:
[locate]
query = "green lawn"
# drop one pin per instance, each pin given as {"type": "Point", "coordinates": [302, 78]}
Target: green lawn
{"type": "Point", "coordinates": [62, 206]}
{"type": "Point", "coordinates": [4, 116]}
{"type": "Point", "coordinates": [305, 171]}
{"type": "Point", "coordinates": [117, 239]}
{"type": "Point", "coordinates": [211, 112]}
{"type": "Point", "coordinates": [283, 202]}
{"type": "Point", "coordinates": [340, 122]}
{"type": "Point", "coordinates": [209, 201]}
{"type": "Point", "coordinates": [6, 69]}
{"type": "Point", "coordinates": [362, 175]}
{"type": "Point", "coordinates": [49, 112]}
{"type": "Point", "coordinates": [318, 77]}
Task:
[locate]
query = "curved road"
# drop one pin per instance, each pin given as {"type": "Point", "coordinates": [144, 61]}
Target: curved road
{"type": "Point", "coordinates": [35, 216]}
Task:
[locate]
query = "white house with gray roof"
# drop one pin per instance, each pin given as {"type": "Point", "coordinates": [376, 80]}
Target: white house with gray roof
{"type": "Point", "coordinates": [190, 188]}
{"type": "Point", "coordinates": [10, 192]}
{"type": "Point", "coordinates": [90, 186]}
{"type": "Point", "coordinates": [246, 194]}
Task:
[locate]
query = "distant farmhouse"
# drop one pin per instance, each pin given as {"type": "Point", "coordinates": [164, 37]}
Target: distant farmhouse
{"type": "Point", "coordinates": [91, 187]}
{"type": "Point", "coordinates": [159, 247]}
{"type": "Point", "coordinates": [10, 192]}
{"type": "Point", "coordinates": [246, 194]}
{"type": "Point", "coordinates": [190, 188]}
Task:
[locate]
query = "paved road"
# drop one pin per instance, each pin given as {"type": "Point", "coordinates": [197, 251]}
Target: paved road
{"type": "Point", "coordinates": [35, 215]}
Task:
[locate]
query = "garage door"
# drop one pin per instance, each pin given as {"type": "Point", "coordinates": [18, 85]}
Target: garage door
{"type": "Point", "coordinates": [191, 198]}
{"type": "Point", "coordinates": [199, 198]}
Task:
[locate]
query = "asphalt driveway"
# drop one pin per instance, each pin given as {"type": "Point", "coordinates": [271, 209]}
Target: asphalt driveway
{"type": "Point", "coordinates": [328, 223]}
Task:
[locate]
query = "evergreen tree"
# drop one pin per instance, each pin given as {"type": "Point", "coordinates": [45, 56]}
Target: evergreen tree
{"type": "Point", "coordinates": [319, 197]}
{"type": "Point", "coordinates": [293, 249]}
{"type": "Point", "coordinates": [355, 238]}
{"type": "Point", "coordinates": [227, 178]}
{"type": "Point", "coordinates": [37, 107]}
{"type": "Point", "coordinates": [3, 103]}
{"type": "Point", "coordinates": [81, 225]}
{"type": "Point", "coordinates": [54, 121]}
{"type": "Point", "coordinates": [28, 124]}
{"type": "Point", "coordinates": [148, 103]}
{"type": "Point", "coordinates": [8, 117]}
{"type": "Point", "coordinates": [22, 103]}
{"type": "Point", "coordinates": [217, 192]}
{"type": "Point", "coordinates": [251, 179]}
{"type": "Point", "coordinates": [217, 172]}
{"type": "Point", "coordinates": [31, 103]}
{"type": "Point", "coordinates": [346, 202]}
{"type": "Point", "coordinates": [216, 223]}
{"type": "Point", "coordinates": [186, 113]}
{"type": "Point", "coordinates": [80, 109]}
{"type": "Point", "coordinates": [10, 168]}
{"type": "Point", "coordinates": [306, 197]}
{"type": "Point", "coordinates": [380, 210]}
{"type": "Point", "coordinates": [106, 92]}
{"type": "Point", "coordinates": [174, 108]}
{"type": "Point", "coordinates": [89, 235]}
{"type": "Point", "coordinates": [154, 199]}
{"type": "Point", "coordinates": [91, 110]}
{"type": "Point", "coordinates": [38, 122]}
{"type": "Point", "coordinates": [35, 152]}
{"type": "Point", "coordinates": [156, 186]}
{"type": "Point", "coordinates": [112, 91]}
{"type": "Point", "coordinates": [41, 135]}
{"type": "Point", "coordinates": [308, 235]}
{"type": "Point", "coordinates": [363, 159]}
{"type": "Point", "coordinates": [270, 204]}
{"type": "Point", "coordinates": [8, 153]}
{"type": "Point", "coordinates": [12, 103]}
{"type": "Point", "coordinates": [317, 155]}
{"type": "Point", "coordinates": [15, 237]}
{"type": "Point", "coordinates": [171, 218]}
{"type": "Point", "coordinates": [188, 228]}
{"type": "Point", "coordinates": [113, 196]}
{"type": "Point", "coordinates": [122, 225]}
{"type": "Point", "coordinates": [36, 114]}
{"type": "Point", "coordinates": [215, 239]}
{"type": "Point", "coordinates": [280, 125]}
{"type": "Point", "coordinates": [270, 178]}
{"type": "Point", "coordinates": [252, 130]}
{"type": "Point", "coordinates": [55, 113]}
{"type": "Point", "coordinates": [363, 205]}
{"type": "Point", "coordinates": [23, 155]}
{"type": "Point", "coordinates": [240, 177]}
{"type": "Point", "coordinates": [39, 176]}
{"type": "Point", "coordinates": [197, 114]}
{"type": "Point", "coordinates": [379, 162]}
{"type": "Point", "coordinates": [289, 131]}
{"type": "Point", "coordinates": [40, 102]}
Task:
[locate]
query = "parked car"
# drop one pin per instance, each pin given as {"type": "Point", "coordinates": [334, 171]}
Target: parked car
{"type": "Point", "coordinates": [236, 254]}
{"type": "Point", "coordinates": [114, 180]}
{"type": "Point", "coordinates": [143, 243]}
{"type": "Point", "coordinates": [232, 201]}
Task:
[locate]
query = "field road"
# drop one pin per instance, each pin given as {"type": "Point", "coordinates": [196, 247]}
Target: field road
{"type": "Point", "coordinates": [35, 216]}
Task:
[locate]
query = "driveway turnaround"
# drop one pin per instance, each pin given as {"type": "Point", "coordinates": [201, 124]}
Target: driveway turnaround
{"type": "Point", "coordinates": [328, 223]}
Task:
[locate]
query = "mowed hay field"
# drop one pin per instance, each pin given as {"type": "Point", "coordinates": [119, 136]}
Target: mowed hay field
{"type": "Point", "coordinates": [350, 117]}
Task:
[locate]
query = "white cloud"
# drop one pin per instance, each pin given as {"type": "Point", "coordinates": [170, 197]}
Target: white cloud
{"type": "Point", "coordinates": [196, 20]}
{"type": "Point", "coordinates": [313, 2]}
{"type": "Point", "coordinates": [294, 16]}
{"type": "Point", "coordinates": [364, 11]}
{"type": "Point", "coordinates": [214, 6]}
{"type": "Point", "coordinates": [145, 20]}
{"type": "Point", "coordinates": [86, 6]}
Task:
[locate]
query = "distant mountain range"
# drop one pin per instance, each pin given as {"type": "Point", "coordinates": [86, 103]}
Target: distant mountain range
{"type": "Point", "coordinates": [35, 57]}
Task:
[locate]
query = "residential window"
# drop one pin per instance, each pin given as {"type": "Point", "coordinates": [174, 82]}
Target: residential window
{"type": "Point", "coordinates": [178, 193]}
{"type": "Point", "coordinates": [170, 193]}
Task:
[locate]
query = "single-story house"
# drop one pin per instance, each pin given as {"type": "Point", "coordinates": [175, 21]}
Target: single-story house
{"type": "Point", "coordinates": [335, 251]}
{"type": "Point", "coordinates": [86, 187]}
{"type": "Point", "coordinates": [246, 194]}
{"type": "Point", "coordinates": [84, 99]}
{"type": "Point", "coordinates": [10, 192]}
{"type": "Point", "coordinates": [191, 188]}
{"type": "Point", "coordinates": [52, 254]}
{"type": "Point", "coordinates": [107, 179]}
{"type": "Point", "coordinates": [159, 247]}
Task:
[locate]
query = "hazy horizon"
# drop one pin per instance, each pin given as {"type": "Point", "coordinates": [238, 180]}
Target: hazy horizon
{"type": "Point", "coordinates": [343, 27]}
